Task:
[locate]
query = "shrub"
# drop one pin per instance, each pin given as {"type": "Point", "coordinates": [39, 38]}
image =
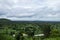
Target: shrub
{"type": "Point", "coordinates": [6, 37]}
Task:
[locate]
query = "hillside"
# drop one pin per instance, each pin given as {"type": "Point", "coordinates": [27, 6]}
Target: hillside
{"type": "Point", "coordinates": [3, 20]}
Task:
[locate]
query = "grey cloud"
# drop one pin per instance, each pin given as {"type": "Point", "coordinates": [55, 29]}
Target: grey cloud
{"type": "Point", "coordinates": [29, 10]}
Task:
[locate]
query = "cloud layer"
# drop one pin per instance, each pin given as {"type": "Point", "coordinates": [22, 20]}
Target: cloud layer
{"type": "Point", "coordinates": [46, 10]}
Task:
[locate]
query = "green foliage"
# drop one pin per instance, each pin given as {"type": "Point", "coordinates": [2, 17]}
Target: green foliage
{"type": "Point", "coordinates": [55, 38]}
{"type": "Point", "coordinates": [30, 31]}
{"type": "Point", "coordinates": [46, 30]}
{"type": "Point", "coordinates": [8, 27]}
{"type": "Point", "coordinates": [5, 37]}
{"type": "Point", "coordinates": [55, 32]}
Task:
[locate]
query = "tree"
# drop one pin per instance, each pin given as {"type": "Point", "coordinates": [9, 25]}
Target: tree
{"type": "Point", "coordinates": [30, 31]}
{"type": "Point", "coordinates": [19, 36]}
{"type": "Point", "coordinates": [5, 37]}
{"type": "Point", "coordinates": [46, 30]}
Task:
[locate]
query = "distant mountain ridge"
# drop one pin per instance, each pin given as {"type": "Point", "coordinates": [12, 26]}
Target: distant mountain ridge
{"type": "Point", "coordinates": [7, 20]}
{"type": "Point", "coordinates": [4, 20]}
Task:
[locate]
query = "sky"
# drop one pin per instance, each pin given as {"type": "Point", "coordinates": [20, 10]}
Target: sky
{"type": "Point", "coordinates": [30, 10]}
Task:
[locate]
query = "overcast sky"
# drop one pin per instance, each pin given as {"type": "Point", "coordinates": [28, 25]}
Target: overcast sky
{"type": "Point", "coordinates": [30, 10]}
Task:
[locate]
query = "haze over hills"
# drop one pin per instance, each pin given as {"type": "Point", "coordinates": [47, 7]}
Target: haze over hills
{"type": "Point", "coordinates": [4, 20]}
{"type": "Point", "coordinates": [10, 21]}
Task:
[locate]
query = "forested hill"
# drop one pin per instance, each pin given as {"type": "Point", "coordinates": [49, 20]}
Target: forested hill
{"type": "Point", "coordinates": [10, 21]}
{"type": "Point", "coordinates": [4, 20]}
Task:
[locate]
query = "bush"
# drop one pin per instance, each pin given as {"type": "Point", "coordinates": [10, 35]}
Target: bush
{"type": "Point", "coordinates": [55, 38]}
{"type": "Point", "coordinates": [55, 32]}
{"type": "Point", "coordinates": [6, 37]}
